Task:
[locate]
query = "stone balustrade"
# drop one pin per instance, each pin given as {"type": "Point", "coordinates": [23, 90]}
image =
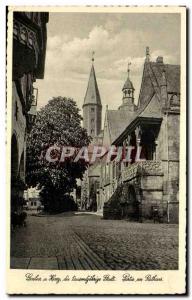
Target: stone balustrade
{"type": "Point", "coordinates": [148, 167]}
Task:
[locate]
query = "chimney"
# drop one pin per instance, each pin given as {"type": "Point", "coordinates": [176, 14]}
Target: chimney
{"type": "Point", "coordinates": [159, 60]}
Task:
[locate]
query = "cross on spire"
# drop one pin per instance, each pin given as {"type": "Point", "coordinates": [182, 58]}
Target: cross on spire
{"type": "Point", "coordinates": [147, 59]}
{"type": "Point", "coordinates": [93, 53]}
{"type": "Point", "coordinates": [128, 70]}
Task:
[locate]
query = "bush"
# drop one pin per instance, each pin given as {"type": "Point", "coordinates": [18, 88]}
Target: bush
{"type": "Point", "coordinates": [18, 219]}
{"type": "Point", "coordinates": [17, 203]}
{"type": "Point", "coordinates": [58, 204]}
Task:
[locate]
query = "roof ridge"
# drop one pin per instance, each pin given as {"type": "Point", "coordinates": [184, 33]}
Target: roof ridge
{"type": "Point", "coordinates": [174, 65]}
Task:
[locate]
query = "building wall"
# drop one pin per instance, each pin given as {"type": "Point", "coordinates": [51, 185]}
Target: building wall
{"type": "Point", "coordinates": [168, 153]}
{"type": "Point", "coordinates": [92, 119]}
{"type": "Point", "coordinates": [159, 188]}
{"type": "Point", "coordinates": [108, 183]}
{"type": "Point", "coordinates": [18, 128]}
{"type": "Point", "coordinates": [152, 195]}
{"type": "Point", "coordinates": [29, 47]}
{"type": "Point", "coordinates": [33, 203]}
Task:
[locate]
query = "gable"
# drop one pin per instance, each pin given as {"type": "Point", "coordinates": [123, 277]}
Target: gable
{"type": "Point", "coordinates": [146, 90]}
{"type": "Point", "coordinates": [153, 109]}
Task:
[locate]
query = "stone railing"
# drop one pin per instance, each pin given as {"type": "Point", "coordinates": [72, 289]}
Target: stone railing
{"type": "Point", "coordinates": [148, 167]}
{"type": "Point", "coordinates": [129, 172]}
{"type": "Point", "coordinates": [151, 167]}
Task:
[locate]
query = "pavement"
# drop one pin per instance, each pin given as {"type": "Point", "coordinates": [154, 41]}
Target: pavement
{"type": "Point", "coordinates": [84, 241]}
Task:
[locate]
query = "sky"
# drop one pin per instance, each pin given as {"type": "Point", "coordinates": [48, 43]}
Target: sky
{"type": "Point", "coordinates": [116, 39]}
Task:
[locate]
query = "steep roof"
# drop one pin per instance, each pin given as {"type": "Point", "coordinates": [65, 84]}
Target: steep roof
{"type": "Point", "coordinates": [151, 109]}
{"type": "Point", "coordinates": [172, 73]}
{"type": "Point", "coordinates": [121, 121]}
{"type": "Point", "coordinates": [152, 80]}
{"type": "Point", "coordinates": [118, 120]}
{"type": "Point", "coordinates": [92, 95]}
{"type": "Point", "coordinates": [150, 97]}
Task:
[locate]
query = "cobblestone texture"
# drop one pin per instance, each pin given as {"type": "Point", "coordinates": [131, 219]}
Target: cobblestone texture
{"type": "Point", "coordinates": [86, 241]}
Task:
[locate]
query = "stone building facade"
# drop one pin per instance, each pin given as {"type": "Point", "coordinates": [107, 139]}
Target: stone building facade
{"type": "Point", "coordinates": [137, 189]}
{"type": "Point", "coordinates": [149, 183]}
{"type": "Point", "coordinates": [29, 49]}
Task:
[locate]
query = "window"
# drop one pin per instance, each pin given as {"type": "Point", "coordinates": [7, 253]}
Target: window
{"type": "Point", "coordinates": [92, 109]}
{"type": "Point", "coordinates": [35, 203]}
{"type": "Point", "coordinates": [92, 120]}
{"type": "Point", "coordinates": [92, 131]}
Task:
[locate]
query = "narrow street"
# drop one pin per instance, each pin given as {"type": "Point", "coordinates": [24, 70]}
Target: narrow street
{"type": "Point", "coordinates": [85, 241]}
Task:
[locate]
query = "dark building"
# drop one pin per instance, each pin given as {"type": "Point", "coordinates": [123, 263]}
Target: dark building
{"type": "Point", "coordinates": [29, 49]}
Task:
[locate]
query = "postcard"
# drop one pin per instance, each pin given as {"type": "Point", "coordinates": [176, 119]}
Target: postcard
{"type": "Point", "coordinates": [96, 150]}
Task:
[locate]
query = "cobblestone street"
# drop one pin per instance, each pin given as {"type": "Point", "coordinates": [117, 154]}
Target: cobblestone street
{"type": "Point", "coordinates": [86, 241]}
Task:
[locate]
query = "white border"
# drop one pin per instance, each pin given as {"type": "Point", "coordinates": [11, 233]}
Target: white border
{"type": "Point", "coordinates": [2, 93]}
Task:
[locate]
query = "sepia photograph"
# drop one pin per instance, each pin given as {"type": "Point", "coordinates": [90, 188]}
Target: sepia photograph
{"type": "Point", "coordinates": [94, 129]}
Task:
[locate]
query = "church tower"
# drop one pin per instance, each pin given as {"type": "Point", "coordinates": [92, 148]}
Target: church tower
{"type": "Point", "coordinates": [128, 93]}
{"type": "Point", "coordinates": [92, 107]}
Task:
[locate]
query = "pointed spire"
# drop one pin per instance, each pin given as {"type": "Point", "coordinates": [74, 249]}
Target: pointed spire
{"type": "Point", "coordinates": [93, 59]}
{"type": "Point", "coordinates": [92, 95]}
{"type": "Point", "coordinates": [128, 70]}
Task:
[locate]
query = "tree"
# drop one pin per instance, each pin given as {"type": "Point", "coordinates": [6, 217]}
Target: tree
{"type": "Point", "coordinates": [58, 124]}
